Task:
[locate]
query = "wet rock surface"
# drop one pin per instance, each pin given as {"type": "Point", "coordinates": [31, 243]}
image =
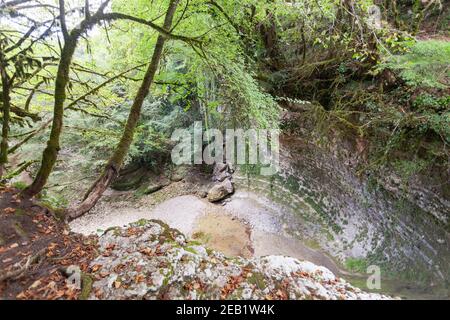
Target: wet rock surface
{"type": "Point", "coordinates": [149, 260]}
{"type": "Point", "coordinates": [352, 219]}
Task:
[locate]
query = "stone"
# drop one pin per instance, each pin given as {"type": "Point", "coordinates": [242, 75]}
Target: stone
{"type": "Point", "coordinates": [221, 172]}
{"type": "Point", "coordinates": [179, 173]}
{"type": "Point", "coordinates": [144, 268]}
{"type": "Point", "coordinates": [220, 167]}
{"type": "Point", "coordinates": [176, 177]}
{"type": "Point", "coordinates": [202, 194]}
{"type": "Point", "coordinates": [222, 176]}
{"type": "Point", "coordinates": [152, 188]}
{"type": "Point", "coordinates": [220, 191]}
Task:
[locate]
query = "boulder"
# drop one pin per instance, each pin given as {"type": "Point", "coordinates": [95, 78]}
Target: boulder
{"type": "Point", "coordinates": [176, 178]}
{"type": "Point", "coordinates": [220, 191]}
{"type": "Point", "coordinates": [222, 176]}
{"type": "Point", "coordinates": [220, 167]}
{"type": "Point", "coordinates": [221, 172]}
{"type": "Point", "coordinates": [152, 188]}
{"type": "Point", "coordinates": [179, 173]}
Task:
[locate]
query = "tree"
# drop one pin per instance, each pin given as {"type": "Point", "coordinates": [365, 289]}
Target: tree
{"type": "Point", "coordinates": [18, 65]}
{"type": "Point", "coordinates": [6, 102]}
{"type": "Point", "coordinates": [62, 79]}
{"type": "Point", "coordinates": [115, 162]}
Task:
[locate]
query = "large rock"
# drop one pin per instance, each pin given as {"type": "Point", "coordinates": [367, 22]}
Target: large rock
{"type": "Point", "coordinates": [222, 176]}
{"type": "Point", "coordinates": [220, 191]}
{"type": "Point", "coordinates": [179, 173]}
{"type": "Point", "coordinates": [149, 260]}
{"type": "Point", "coordinates": [152, 187]}
{"type": "Point", "coordinates": [221, 172]}
{"type": "Point", "coordinates": [220, 167]}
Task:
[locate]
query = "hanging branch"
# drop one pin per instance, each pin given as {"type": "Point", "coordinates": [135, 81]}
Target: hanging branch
{"type": "Point", "coordinates": [71, 106]}
{"type": "Point", "coordinates": [30, 96]}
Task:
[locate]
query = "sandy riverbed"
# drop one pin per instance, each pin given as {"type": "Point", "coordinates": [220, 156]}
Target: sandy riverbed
{"type": "Point", "coordinates": [246, 225]}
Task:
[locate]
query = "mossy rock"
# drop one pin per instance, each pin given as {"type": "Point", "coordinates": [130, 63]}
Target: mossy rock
{"type": "Point", "coordinates": [127, 185]}
{"type": "Point", "coordinates": [86, 286]}
{"type": "Point", "coordinates": [178, 173]}
{"type": "Point", "coordinates": [257, 279]}
{"type": "Point", "coordinates": [130, 181]}
{"type": "Point", "coordinates": [148, 189]}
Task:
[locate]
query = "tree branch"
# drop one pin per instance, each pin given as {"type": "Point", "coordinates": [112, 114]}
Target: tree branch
{"type": "Point", "coordinates": [62, 19]}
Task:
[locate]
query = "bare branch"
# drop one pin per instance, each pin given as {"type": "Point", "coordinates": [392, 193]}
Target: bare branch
{"type": "Point", "coordinates": [12, 3]}
{"type": "Point", "coordinates": [62, 19]}
{"type": "Point", "coordinates": [19, 43]}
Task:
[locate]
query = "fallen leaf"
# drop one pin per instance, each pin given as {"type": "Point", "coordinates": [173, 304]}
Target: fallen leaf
{"type": "Point", "coordinates": [35, 284]}
{"type": "Point", "coordinates": [59, 294]}
{"type": "Point", "coordinates": [9, 210]}
{"type": "Point", "coordinates": [139, 278]}
{"type": "Point", "coordinates": [147, 252]}
{"type": "Point", "coordinates": [21, 295]}
{"type": "Point", "coordinates": [96, 267]}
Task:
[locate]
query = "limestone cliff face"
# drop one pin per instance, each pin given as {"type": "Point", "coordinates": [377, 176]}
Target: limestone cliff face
{"type": "Point", "coordinates": [403, 229]}
{"type": "Point", "coordinates": [148, 260]}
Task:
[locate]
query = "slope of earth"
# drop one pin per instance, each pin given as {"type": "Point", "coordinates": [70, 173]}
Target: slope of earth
{"type": "Point", "coordinates": [36, 251]}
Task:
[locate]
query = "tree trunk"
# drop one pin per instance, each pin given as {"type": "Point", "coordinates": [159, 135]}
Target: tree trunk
{"type": "Point", "coordinates": [6, 102]}
{"type": "Point", "coordinates": [51, 151]}
{"type": "Point", "coordinates": [115, 162]}
{"type": "Point", "coordinates": [62, 79]}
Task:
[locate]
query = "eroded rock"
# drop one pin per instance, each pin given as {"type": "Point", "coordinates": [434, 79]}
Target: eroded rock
{"type": "Point", "coordinates": [149, 260]}
{"type": "Point", "coordinates": [220, 191]}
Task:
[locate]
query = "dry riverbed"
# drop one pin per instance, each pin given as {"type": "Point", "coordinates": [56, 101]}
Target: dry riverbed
{"type": "Point", "coordinates": [244, 225]}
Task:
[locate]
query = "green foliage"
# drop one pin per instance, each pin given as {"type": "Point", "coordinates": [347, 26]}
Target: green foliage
{"type": "Point", "coordinates": [428, 102]}
{"type": "Point", "coordinates": [356, 265]}
{"type": "Point", "coordinates": [426, 64]}
{"type": "Point", "coordinates": [19, 185]}
{"type": "Point", "coordinates": [97, 137]}
{"type": "Point", "coordinates": [219, 77]}
{"type": "Point", "coordinates": [407, 168]}
{"type": "Point", "coordinates": [398, 43]}
{"type": "Point", "coordinates": [243, 101]}
{"type": "Point", "coordinates": [54, 201]}
{"type": "Point", "coordinates": [254, 55]}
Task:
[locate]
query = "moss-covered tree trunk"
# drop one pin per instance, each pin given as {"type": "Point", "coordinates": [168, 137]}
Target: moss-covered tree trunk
{"type": "Point", "coordinates": [115, 162]}
{"type": "Point", "coordinates": [51, 151]}
{"type": "Point", "coordinates": [6, 105]}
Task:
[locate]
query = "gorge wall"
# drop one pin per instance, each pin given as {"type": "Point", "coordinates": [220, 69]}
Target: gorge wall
{"type": "Point", "coordinates": [361, 220]}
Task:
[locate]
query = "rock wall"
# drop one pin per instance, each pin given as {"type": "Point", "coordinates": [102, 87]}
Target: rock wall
{"type": "Point", "coordinates": [402, 230]}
